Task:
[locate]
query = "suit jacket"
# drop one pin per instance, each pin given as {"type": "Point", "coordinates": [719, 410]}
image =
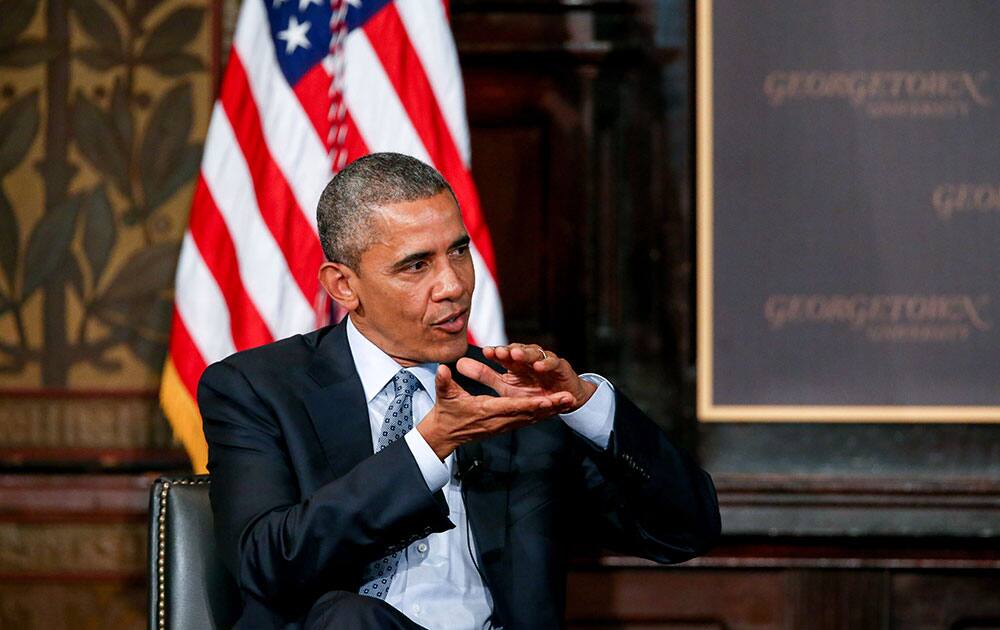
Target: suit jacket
{"type": "Point", "coordinates": [302, 504]}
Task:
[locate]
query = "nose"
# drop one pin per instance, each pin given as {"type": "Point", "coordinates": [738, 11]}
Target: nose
{"type": "Point", "coordinates": [449, 285]}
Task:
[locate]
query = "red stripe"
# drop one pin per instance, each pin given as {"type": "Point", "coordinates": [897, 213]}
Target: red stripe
{"type": "Point", "coordinates": [185, 355]}
{"type": "Point", "coordinates": [208, 229]}
{"type": "Point", "coordinates": [388, 37]}
{"type": "Point", "coordinates": [278, 207]}
{"type": "Point", "coordinates": [353, 141]}
{"type": "Point", "coordinates": [313, 92]}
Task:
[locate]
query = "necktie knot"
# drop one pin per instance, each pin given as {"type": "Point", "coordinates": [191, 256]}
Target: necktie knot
{"type": "Point", "coordinates": [405, 383]}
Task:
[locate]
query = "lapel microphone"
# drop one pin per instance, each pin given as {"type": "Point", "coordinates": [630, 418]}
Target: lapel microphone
{"type": "Point", "coordinates": [468, 462]}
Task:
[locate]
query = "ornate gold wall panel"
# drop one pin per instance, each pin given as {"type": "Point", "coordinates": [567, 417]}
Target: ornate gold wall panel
{"type": "Point", "coordinates": [103, 104]}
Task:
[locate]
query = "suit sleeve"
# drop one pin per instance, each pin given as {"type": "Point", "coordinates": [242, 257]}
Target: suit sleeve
{"type": "Point", "coordinates": [652, 499]}
{"type": "Point", "coordinates": [285, 548]}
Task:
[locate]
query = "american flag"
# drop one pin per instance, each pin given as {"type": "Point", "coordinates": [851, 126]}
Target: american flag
{"type": "Point", "coordinates": [309, 86]}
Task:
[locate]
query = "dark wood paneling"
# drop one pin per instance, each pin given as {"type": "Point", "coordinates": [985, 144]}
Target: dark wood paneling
{"type": "Point", "coordinates": [676, 598]}
{"type": "Point", "coordinates": [946, 600]}
{"type": "Point", "coordinates": [73, 550]}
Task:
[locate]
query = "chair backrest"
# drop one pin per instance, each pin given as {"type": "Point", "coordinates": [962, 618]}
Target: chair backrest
{"type": "Point", "coordinates": [189, 587]}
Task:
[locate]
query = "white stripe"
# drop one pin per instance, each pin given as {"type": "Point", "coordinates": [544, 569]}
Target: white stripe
{"type": "Point", "coordinates": [378, 113]}
{"type": "Point", "coordinates": [200, 305]}
{"type": "Point", "coordinates": [263, 269]}
{"type": "Point", "coordinates": [292, 140]}
{"type": "Point", "coordinates": [486, 317]}
{"type": "Point", "coordinates": [427, 27]}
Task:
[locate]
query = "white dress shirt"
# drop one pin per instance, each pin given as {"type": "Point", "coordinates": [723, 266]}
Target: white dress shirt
{"type": "Point", "coordinates": [436, 583]}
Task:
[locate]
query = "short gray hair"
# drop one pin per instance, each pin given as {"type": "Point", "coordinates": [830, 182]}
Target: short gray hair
{"type": "Point", "coordinates": [348, 202]}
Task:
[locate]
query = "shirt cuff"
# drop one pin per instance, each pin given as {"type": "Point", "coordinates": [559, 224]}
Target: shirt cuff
{"type": "Point", "coordinates": [596, 418]}
{"type": "Point", "coordinates": [435, 471]}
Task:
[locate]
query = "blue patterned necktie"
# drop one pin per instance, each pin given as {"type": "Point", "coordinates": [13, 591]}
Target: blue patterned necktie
{"type": "Point", "coordinates": [398, 420]}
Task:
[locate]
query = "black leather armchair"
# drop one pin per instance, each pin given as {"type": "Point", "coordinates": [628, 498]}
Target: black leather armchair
{"type": "Point", "coordinates": [188, 585]}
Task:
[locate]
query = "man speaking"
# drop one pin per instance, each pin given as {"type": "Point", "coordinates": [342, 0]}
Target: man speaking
{"type": "Point", "coordinates": [382, 473]}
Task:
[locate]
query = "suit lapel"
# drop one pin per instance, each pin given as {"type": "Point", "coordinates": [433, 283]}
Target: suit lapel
{"type": "Point", "coordinates": [338, 409]}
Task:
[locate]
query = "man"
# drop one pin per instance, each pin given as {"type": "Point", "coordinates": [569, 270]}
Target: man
{"type": "Point", "coordinates": [332, 511]}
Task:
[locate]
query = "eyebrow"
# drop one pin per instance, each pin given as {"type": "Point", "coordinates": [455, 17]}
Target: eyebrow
{"type": "Point", "coordinates": [416, 256]}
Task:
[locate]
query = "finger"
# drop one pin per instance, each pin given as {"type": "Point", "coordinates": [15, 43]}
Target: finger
{"type": "Point", "coordinates": [532, 406]}
{"type": "Point", "coordinates": [527, 354]}
{"type": "Point", "coordinates": [484, 374]}
{"type": "Point", "coordinates": [516, 408]}
{"type": "Point", "coordinates": [550, 362]}
{"type": "Point", "coordinates": [446, 386]}
{"type": "Point", "coordinates": [501, 353]}
{"type": "Point", "coordinates": [516, 357]}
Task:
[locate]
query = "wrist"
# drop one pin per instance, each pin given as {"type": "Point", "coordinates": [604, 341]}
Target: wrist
{"type": "Point", "coordinates": [585, 390]}
{"type": "Point", "coordinates": [430, 430]}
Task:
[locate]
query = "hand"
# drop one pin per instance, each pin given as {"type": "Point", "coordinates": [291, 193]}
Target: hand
{"type": "Point", "coordinates": [531, 371]}
{"type": "Point", "coordinates": [458, 417]}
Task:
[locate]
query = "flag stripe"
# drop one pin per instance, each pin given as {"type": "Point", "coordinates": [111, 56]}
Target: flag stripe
{"type": "Point", "coordinates": [354, 142]}
{"type": "Point", "coordinates": [374, 105]}
{"type": "Point", "coordinates": [313, 91]}
{"type": "Point", "coordinates": [200, 305]}
{"type": "Point", "coordinates": [299, 152]}
{"type": "Point", "coordinates": [486, 316]}
{"type": "Point", "coordinates": [427, 29]}
{"type": "Point", "coordinates": [185, 356]}
{"type": "Point", "coordinates": [293, 234]}
{"type": "Point", "coordinates": [403, 70]}
{"type": "Point", "coordinates": [208, 230]}
{"type": "Point", "coordinates": [263, 267]}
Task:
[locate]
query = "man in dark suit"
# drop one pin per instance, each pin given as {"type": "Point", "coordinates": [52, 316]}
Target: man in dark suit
{"type": "Point", "coordinates": [384, 473]}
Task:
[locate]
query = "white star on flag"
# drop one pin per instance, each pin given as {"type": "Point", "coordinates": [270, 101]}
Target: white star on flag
{"type": "Point", "coordinates": [295, 35]}
{"type": "Point", "coordinates": [304, 4]}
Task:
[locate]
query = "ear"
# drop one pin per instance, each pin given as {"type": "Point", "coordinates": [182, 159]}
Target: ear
{"type": "Point", "coordinates": [337, 279]}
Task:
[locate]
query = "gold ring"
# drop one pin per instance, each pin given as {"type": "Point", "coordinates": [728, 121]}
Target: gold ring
{"type": "Point", "coordinates": [545, 355]}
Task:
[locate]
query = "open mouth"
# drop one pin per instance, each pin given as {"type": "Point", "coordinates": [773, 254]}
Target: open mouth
{"type": "Point", "coordinates": [455, 323]}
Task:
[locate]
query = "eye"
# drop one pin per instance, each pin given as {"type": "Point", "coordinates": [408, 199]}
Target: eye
{"type": "Point", "coordinates": [416, 266]}
{"type": "Point", "coordinates": [460, 251]}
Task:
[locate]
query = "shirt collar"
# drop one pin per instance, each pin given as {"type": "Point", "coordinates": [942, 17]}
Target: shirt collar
{"type": "Point", "coordinates": [376, 368]}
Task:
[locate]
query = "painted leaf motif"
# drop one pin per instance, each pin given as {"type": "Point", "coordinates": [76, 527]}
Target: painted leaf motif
{"type": "Point", "coordinates": [143, 276]}
{"type": "Point", "coordinates": [95, 20]}
{"type": "Point", "coordinates": [18, 126]}
{"type": "Point", "coordinates": [150, 352]}
{"type": "Point", "coordinates": [122, 117]}
{"type": "Point", "coordinates": [173, 33]}
{"type": "Point", "coordinates": [142, 8]}
{"type": "Point", "coordinates": [10, 240]}
{"type": "Point", "coordinates": [26, 53]}
{"type": "Point", "coordinates": [49, 244]}
{"type": "Point", "coordinates": [165, 142]}
{"type": "Point", "coordinates": [99, 58]}
{"type": "Point", "coordinates": [176, 64]}
{"type": "Point", "coordinates": [17, 15]}
{"type": "Point", "coordinates": [100, 231]}
{"type": "Point", "coordinates": [185, 170]}
{"type": "Point", "coordinates": [149, 317]}
{"type": "Point", "coordinates": [95, 136]}
{"type": "Point", "coordinates": [70, 270]}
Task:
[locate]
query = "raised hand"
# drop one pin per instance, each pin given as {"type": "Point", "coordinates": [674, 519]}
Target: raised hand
{"type": "Point", "coordinates": [458, 417]}
{"type": "Point", "coordinates": [531, 371]}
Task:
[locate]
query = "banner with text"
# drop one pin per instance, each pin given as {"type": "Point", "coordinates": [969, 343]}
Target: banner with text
{"type": "Point", "coordinates": [848, 210]}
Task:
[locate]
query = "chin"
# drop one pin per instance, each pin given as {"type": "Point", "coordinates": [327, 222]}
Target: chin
{"type": "Point", "coordinates": [452, 351]}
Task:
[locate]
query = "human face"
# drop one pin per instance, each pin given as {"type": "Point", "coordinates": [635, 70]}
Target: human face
{"type": "Point", "coordinates": [414, 284]}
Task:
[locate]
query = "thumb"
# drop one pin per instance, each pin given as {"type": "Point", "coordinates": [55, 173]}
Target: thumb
{"type": "Point", "coordinates": [446, 386]}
